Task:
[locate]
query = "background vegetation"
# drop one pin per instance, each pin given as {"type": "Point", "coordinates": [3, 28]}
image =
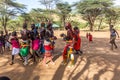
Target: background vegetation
{"type": "Point", "coordinates": [86, 14]}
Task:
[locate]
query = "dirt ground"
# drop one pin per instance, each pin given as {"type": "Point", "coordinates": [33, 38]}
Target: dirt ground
{"type": "Point", "coordinates": [97, 63]}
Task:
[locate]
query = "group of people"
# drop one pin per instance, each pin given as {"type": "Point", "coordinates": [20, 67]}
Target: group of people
{"type": "Point", "coordinates": [73, 43]}
{"type": "Point", "coordinates": [38, 40]}
{"type": "Point", "coordinates": [42, 42]}
{"type": "Point", "coordinates": [31, 44]}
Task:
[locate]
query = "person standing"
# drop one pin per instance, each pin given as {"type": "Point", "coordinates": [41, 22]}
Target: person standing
{"type": "Point", "coordinates": [15, 45]}
{"type": "Point", "coordinates": [77, 41]}
{"type": "Point", "coordinates": [2, 40]}
{"type": "Point", "coordinates": [113, 34]}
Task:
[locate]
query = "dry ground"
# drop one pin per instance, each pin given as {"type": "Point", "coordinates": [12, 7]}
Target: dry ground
{"type": "Point", "coordinates": [97, 63]}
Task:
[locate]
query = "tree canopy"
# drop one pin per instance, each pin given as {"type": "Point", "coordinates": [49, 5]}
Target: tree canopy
{"type": "Point", "coordinates": [8, 9]}
{"type": "Point", "coordinates": [91, 9]}
{"type": "Point", "coordinates": [89, 13]}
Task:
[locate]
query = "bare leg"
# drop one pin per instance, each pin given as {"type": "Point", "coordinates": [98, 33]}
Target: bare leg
{"type": "Point", "coordinates": [114, 43]}
{"type": "Point", "coordinates": [25, 60]}
{"type": "Point", "coordinates": [34, 58]}
{"type": "Point", "coordinates": [50, 58]}
{"type": "Point", "coordinates": [1, 50]}
{"type": "Point", "coordinates": [44, 60]}
{"type": "Point", "coordinates": [12, 60]}
{"type": "Point", "coordinates": [21, 57]}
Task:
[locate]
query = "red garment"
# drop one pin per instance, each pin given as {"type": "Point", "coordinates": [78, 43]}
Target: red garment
{"type": "Point", "coordinates": [90, 37]}
{"type": "Point", "coordinates": [77, 44]}
{"type": "Point", "coordinates": [47, 47]}
{"type": "Point", "coordinates": [64, 54]}
{"type": "Point", "coordinates": [35, 44]}
{"type": "Point", "coordinates": [15, 43]}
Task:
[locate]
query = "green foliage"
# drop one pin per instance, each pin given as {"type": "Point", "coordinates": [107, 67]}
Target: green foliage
{"type": "Point", "coordinates": [63, 11]}
{"type": "Point", "coordinates": [9, 8]}
{"type": "Point", "coordinates": [112, 15]}
{"type": "Point", "coordinates": [57, 22]}
{"type": "Point", "coordinates": [79, 24]}
{"type": "Point", "coordinates": [90, 9]}
{"type": "Point", "coordinates": [64, 8]}
{"type": "Point", "coordinates": [49, 3]}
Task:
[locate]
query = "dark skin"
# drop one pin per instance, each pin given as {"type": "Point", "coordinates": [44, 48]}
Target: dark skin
{"type": "Point", "coordinates": [3, 40]}
{"type": "Point", "coordinates": [116, 33]}
{"type": "Point", "coordinates": [113, 37]}
{"type": "Point", "coordinates": [111, 27]}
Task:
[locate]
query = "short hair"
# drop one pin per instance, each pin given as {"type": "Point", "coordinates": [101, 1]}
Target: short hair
{"type": "Point", "coordinates": [32, 26]}
{"type": "Point", "coordinates": [76, 28]}
{"type": "Point", "coordinates": [14, 33]}
{"type": "Point", "coordinates": [24, 25]}
{"type": "Point", "coordinates": [49, 25]}
{"type": "Point", "coordinates": [111, 25]}
{"type": "Point", "coordinates": [42, 24]}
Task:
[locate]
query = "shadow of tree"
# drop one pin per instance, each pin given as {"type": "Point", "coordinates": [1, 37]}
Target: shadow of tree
{"type": "Point", "coordinates": [98, 53]}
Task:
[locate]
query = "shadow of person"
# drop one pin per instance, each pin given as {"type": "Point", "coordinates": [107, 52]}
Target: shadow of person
{"type": "Point", "coordinates": [4, 78]}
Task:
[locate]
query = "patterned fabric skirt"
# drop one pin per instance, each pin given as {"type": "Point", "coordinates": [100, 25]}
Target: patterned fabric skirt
{"type": "Point", "coordinates": [15, 51]}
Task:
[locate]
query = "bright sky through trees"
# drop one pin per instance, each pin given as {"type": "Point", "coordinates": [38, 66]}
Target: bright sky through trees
{"type": "Point", "coordinates": [35, 4]}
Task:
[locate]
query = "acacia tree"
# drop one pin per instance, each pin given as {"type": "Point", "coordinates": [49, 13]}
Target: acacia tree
{"type": "Point", "coordinates": [39, 14]}
{"type": "Point", "coordinates": [91, 9]}
{"type": "Point", "coordinates": [112, 15]}
{"type": "Point", "coordinates": [8, 9]}
{"type": "Point", "coordinates": [49, 5]}
{"type": "Point", "coordinates": [63, 10]}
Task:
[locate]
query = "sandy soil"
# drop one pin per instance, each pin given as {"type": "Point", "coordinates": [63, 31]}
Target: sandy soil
{"type": "Point", "coordinates": [97, 63]}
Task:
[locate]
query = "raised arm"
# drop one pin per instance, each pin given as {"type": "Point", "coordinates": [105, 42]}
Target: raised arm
{"type": "Point", "coordinates": [117, 33]}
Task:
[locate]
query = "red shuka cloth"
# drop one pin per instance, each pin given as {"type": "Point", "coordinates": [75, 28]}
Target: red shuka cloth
{"type": "Point", "coordinates": [90, 37]}
{"type": "Point", "coordinates": [77, 44]}
{"type": "Point", "coordinates": [64, 54]}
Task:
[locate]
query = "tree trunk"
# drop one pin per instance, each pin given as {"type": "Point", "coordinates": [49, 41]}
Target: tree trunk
{"type": "Point", "coordinates": [100, 24]}
{"type": "Point", "coordinates": [91, 27]}
{"type": "Point", "coordinates": [110, 23]}
{"type": "Point", "coordinates": [4, 24]}
{"type": "Point", "coordinates": [63, 22]}
{"type": "Point", "coordinates": [91, 21]}
{"type": "Point", "coordinates": [5, 29]}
